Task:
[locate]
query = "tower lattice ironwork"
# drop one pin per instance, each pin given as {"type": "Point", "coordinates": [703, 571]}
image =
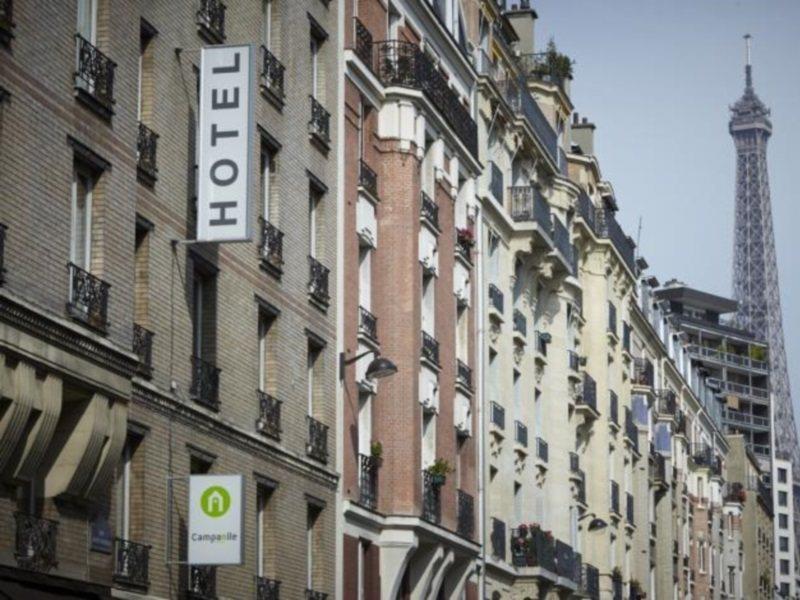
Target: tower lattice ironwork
{"type": "Point", "coordinates": [755, 268]}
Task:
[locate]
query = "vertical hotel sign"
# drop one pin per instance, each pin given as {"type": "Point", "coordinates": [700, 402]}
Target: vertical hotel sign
{"type": "Point", "coordinates": [226, 134]}
{"type": "Point", "coordinates": [216, 516]}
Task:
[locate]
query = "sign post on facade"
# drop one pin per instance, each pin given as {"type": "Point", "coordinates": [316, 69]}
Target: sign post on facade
{"type": "Point", "coordinates": [225, 153]}
{"type": "Point", "coordinates": [216, 520]}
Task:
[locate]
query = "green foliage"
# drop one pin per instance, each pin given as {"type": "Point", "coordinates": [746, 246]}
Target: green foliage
{"type": "Point", "coordinates": [556, 64]}
{"type": "Point", "coordinates": [440, 467]}
{"type": "Point", "coordinates": [376, 449]}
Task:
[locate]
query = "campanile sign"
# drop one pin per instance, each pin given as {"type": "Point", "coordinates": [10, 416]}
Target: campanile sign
{"type": "Point", "coordinates": [225, 144]}
{"type": "Point", "coordinates": [215, 520]}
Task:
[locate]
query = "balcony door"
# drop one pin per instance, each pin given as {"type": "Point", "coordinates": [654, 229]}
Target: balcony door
{"type": "Point", "coordinates": [81, 225]}
{"type": "Point", "coordinates": [87, 20]}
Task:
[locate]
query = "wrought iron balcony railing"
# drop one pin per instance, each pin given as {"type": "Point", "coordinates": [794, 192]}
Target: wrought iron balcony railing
{"type": "Point", "coordinates": [143, 348]}
{"type": "Point", "coordinates": [466, 514]}
{"type": "Point", "coordinates": [205, 383]}
{"type": "Point", "coordinates": [363, 43]}
{"type": "Point", "coordinates": [267, 589]}
{"type": "Point", "coordinates": [588, 395]}
{"type": "Point", "coordinates": [269, 415]}
{"type": "Point", "coordinates": [520, 99]}
{"type": "Point", "coordinates": [315, 595]}
{"type": "Point", "coordinates": [6, 21]}
{"type": "Point", "coordinates": [3, 230]}
{"type": "Point", "coordinates": [94, 73]}
{"type": "Point", "coordinates": [533, 547]}
{"type": "Point", "coordinates": [367, 178]}
{"type": "Point", "coordinates": [521, 434]}
{"type": "Point", "coordinates": [202, 582]}
{"type": "Point", "coordinates": [318, 281]}
{"type": "Point", "coordinates": [211, 19]}
{"type": "Point", "coordinates": [542, 452]}
{"type": "Point", "coordinates": [368, 323]}
{"type": "Point", "coordinates": [88, 298]}
{"type": "Point", "coordinates": [537, 66]}
{"type": "Point", "coordinates": [368, 480]}
{"type": "Point", "coordinates": [131, 563]}
{"type": "Point", "coordinates": [496, 298]}
{"type": "Point", "coordinates": [498, 538]}
{"type": "Point", "coordinates": [498, 415]}
{"type": "Point", "coordinates": [613, 407]}
{"type": "Point", "coordinates": [403, 64]}
{"type": "Point", "coordinates": [729, 358]}
{"type": "Point", "coordinates": [35, 544]}
{"type": "Point", "coordinates": [520, 323]}
{"type": "Point", "coordinates": [615, 497]}
{"type": "Point", "coordinates": [587, 211]}
{"type": "Point", "coordinates": [463, 374]}
{"type": "Point", "coordinates": [272, 74]}
{"type": "Point", "coordinates": [146, 147]}
{"type": "Point", "coordinates": [429, 210]}
{"type": "Point", "coordinates": [667, 403]}
{"type": "Point", "coordinates": [464, 243]}
{"type": "Point", "coordinates": [658, 467]}
{"type": "Point", "coordinates": [271, 248]}
{"type": "Point", "coordinates": [320, 123]}
{"type": "Point", "coordinates": [562, 241]}
{"type": "Point", "coordinates": [317, 442]}
{"type": "Point", "coordinates": [702, 455]}
{"type": "Point", "coordinates": [643, 373]}
{"type": "Point", "coordinates": [609, 228]}
{"type": "Point", "coordinates": [566, 558]}
{"type": "Point", "coordinates": [528, 204]}
{"type": "Point", "coordinates": [629, 508]}
{"type": "Point", "coordinates": [590, 582]}
{"type": "Point", "coordinates": [431, 498]}
{"type": "Point", "coordinates": [430, 348]}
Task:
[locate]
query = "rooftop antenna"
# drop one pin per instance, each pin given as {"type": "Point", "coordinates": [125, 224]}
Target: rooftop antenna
{"type": "Point", "coordinates": [748, 67]}
{"type": "Point", "coordinates": [639, 232]}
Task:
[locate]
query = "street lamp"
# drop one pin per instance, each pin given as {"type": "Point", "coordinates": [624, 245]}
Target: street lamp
{"type": "Point", "coordinates": [379, 367]}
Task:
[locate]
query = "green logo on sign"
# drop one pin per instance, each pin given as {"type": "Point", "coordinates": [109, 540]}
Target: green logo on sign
{"type": "Point", "coordinates": [215, 501]}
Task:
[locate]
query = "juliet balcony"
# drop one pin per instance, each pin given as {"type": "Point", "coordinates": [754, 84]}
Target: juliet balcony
{"type": "Point", "coordinates": [318, 282]}
{"type": "Point", "coordinates": [272, 74]}
{"type": "Point", "coordinates": [211, 21]}
{"type": "Point", "coordinates": [131, 564]}
{"type": "Point", "coordinates": [528, 205]}
{"type": "Point", "coordinates": [466, 514]}
{"type": "Point", "coordinates": [643, 373]}
{"type": "Point", "coordinates": [35, 543]}
{"type": "Point", "coordinates": [431, 498]}
{"type": "Point", "coordinates": [143, 348]}
{"type": "Point", "coordinates": [202, 584]}
{"type": "Point", "coordinates": [317, 441]}
{"type": "Point", "coordinates": [367, 324]}
{"type": "Point", "coordinates": [368, 480]}
{"type": "Point", "coordinates": [269, 415]}
{"type": "Point", "coordinates": [319, 125]}
{"type": "Point", "coordinates": [403, 64]}
{"type": "Point", "coordinates": [430, 349]}
{"type": "Point", "coordinates": [271, 248]}
{"type": "Point", "coordinates": [267, 589]}
{"type": "Point", "coordinates": [94, 77]}
{"type": "Point", "coordinates": [88, 298]}
{"type": "Point", "coordinates": [146, 154]}
{"type": "Point", "coordinates": [205, 383]}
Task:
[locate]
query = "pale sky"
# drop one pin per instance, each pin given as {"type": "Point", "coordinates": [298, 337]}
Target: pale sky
{"type": "Point", "coordinates": [657, 77]}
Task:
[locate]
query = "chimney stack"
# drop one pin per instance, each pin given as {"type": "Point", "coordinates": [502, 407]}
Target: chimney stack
{"type": "Point", "coordinates": [583, 134]}
{"type": "Point", "coordinates": [522, 18]}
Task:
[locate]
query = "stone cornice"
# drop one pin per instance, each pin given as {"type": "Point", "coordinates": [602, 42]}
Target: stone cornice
{"type": "Point", "coordinates": [200, 422]}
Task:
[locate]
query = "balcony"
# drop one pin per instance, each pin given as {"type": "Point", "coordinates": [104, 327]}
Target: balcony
{"type": "Point", "coordinates": [319, 126]}
{"type": "Point", "coordinates": [403, 64]}
{"type": "Point", "coordinates": [520, 323]}
{"type": "Point", "coordinates": [367, 179]}
{"type": "Point", "coordinates": [368, 324]}
{"type": "Point", "coordinates": [205, 383]}
{"type": "Point", "coordinates": [590, 582]}
{"type": "Point", "coordinates": [269, 417]}
{"type": "Point", "coordinates": [317, 442]}
{"type": "Point", "coordinates": [3, 230]}
{"type": "Point", "coordinates": [431, 498]}
{"type": "Point", "coordinates": [363, 43]}
{"type": "Point", "coordinates": [368, 481]}
{"type": "Point", "coordinates": [466, 514]}
{"type": "Point", "coordinates": [318, 282]}
{"type": "Point", "coordinates": [629, 509]}
{"type": "Point", "coordinates": [728, 358]}
{"type": "Point", "coordinates": [609, 228]}
{"type": "Point", "coordinates": [143, 348]}
{"type": "Point", "coordinates": [587, 211]}
{"type": "Point", "coordinates": [562, 242]}
{"type": "Point", "coordinates": [568, 563]}
{"type": "Point", "coordinates": [533, 547]}
{"type": "Point", "coordinates": [520, 99]}
{"type": "Point", "coordinates": [430, 349]}
{"type": "Point", "coordinates": [496, 182]}
{"type": "Point", "coordinates": [131, 563]}
{"type": "Point", "coordinates": [495, 299]}
{"type": "Point", "coordinates": [736, 493]}
{"type": "Point", "coordinates": [702, 455]}
{"type": "Point", "coordinates": [761, 394]}
{"type": "Point", "coordinates": [88, 298]}
{"type": "Point", "coordinates": [6, 21]}
{"type": "Point", "coordinates": [267, 589]}
{"type": "Point", "coordinates": [202, 583]}
{"type": "Point", "coordinates": [643, 374]}
{"type": "Point", "coordinates": [146, 147]}
{"type": "Point", "coordinates": [429, 211]}
{"type": "Point", "coordinates": [615, 498]}
{"type": "Point", "coordinates": [497, 415]}
{"type": "Point", "coordinates": [35, 543]}
{"type": "Point", "coordinates": [528, 204]}
{"type": "Point", "coordinates": [271, 248]}
{"type": "Point", "coordinates": [666, 403]}
{"type": "Point", "coordinates": [314, 595]}
{"type": "Point", "coordinates": [211, 21]}
{"type": "Point", "coordinates": [498, 539]}
{"type": "Point", "coordinates": [94, 77]}
{"type": "Point", "coordinates": [588, 395]}
{"type": "Point", "coordinates": [736, 416]}
{"type": "Point", "coordinates": [464, 243]}
{"type": "Point", "coordinates": [613, 408]}
{"type": "Point", "coordinates": [520, 434]}
{"type": "Point", "coordinates": [542, 452]}
{"type": "Point", "coordinates": [272, 73]}
{"type": "Point", "coordinates": [463, 374]}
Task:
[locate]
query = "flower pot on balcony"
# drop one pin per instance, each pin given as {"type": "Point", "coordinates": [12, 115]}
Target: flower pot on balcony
{"type": "Point", "coordinates": [438, 479]}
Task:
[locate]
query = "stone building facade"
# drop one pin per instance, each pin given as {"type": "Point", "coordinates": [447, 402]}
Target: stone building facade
{"type": "Point", "coordinates": [133, 357]}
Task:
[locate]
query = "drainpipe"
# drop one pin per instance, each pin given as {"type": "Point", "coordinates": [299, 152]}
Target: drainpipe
{"type": "Point", "coordinates": [479, 387]}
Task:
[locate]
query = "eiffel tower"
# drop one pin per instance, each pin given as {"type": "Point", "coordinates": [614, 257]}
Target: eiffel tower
{"type": "Point", "coordinates": [755, 268]}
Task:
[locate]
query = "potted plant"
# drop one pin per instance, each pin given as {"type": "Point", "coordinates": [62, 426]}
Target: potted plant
{"type": "Point", "coordinates": [376, 450]}
{"type": "Point", "coordinates": [465, 237]}
{"type": "Point", "coordinates": [439, 470]}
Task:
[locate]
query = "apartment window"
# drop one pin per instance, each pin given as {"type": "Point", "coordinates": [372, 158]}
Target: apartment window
{"type": "Point", "coordinates": [265, 529]}
{"type": "Point", "coordinates": [316, 40]}
{"type": "Point", "coordinates": [83, 182]}
{"type": "Point", "coordinates": [200, 463]}
{"type": "Point", "coordinates": [313, 544]}
{"type": "Point", "coordinates": [267, 7]}
{"type": "Point", "coordinates": [87, 20]}
{"type": "Point", "coordinates": [266, 355]}
{"type": "Point", "coordinates": [428, 304]}
{"type": "Point", "coordinates": [141, 271]}
{"type": "Point", "coordinates": [128, 487]}
{"type": "Point", "coordinates": [517, 502]}
{"type": "Point", "coordinates": [702, 556]}
{"type": "Point", "coordinates": [364, 423]}
{"type": "Point", "coordinates": [783, 521]}
{"type": "Point", "coordinates": [394, 22]}
{"type": "Point", "coordinates": [730, 526]}
{"type": "Point", "coordinates": [144, 80]}
{"type": "Point", "coordinates": [784, 564]}
{"type": "Point", "coordinates": [428, 438]}
{"type": "Point", "coordinates": [314, 351]}
{"type": "Point", "coordinates": [782, 475]}
{"type": "Point", "coordinates": [783, 499]}
{"type": "Point", "coordinates": [204, 309]}
{"type": "Point", "coordinates": [783, 543]}
{"type": "Point", "coordinates": [365, 277]}
{"type": "Point", "coordinates": [785, 590]}
{"type": "Point", "coordinates": [266, 181]}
